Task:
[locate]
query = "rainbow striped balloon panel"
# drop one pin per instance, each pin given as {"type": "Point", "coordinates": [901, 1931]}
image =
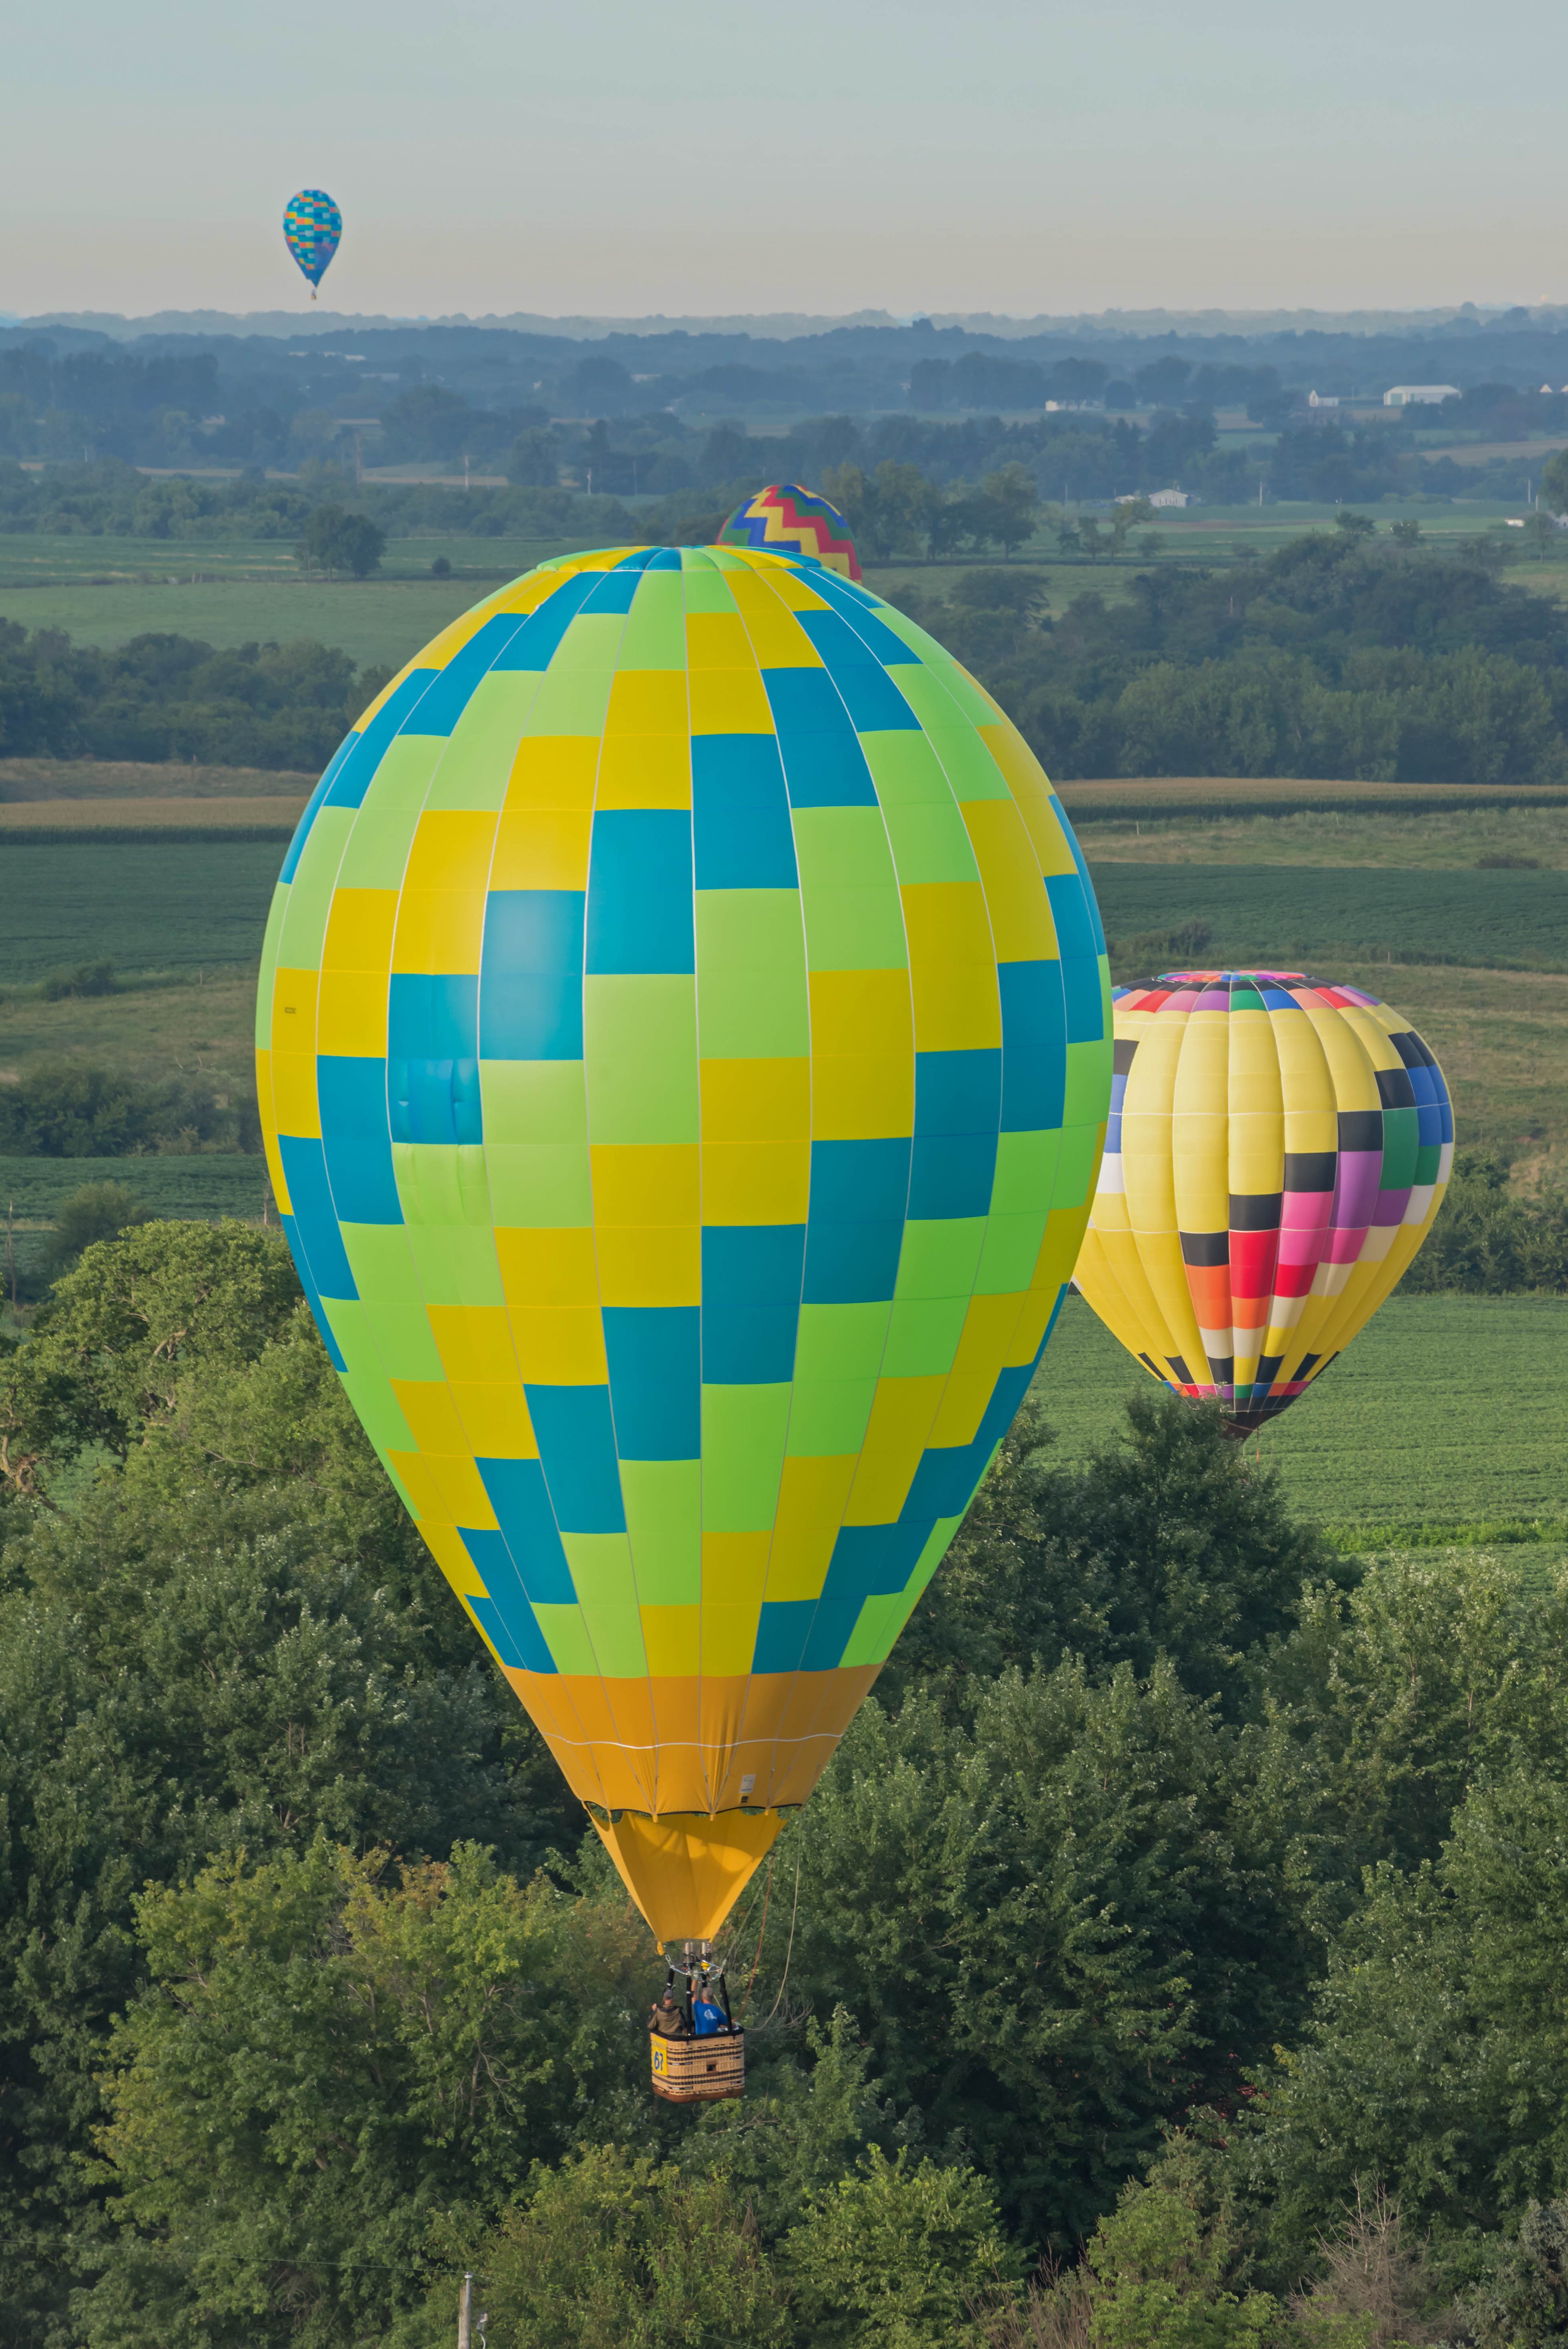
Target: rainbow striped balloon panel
{"type": "Point", "coordinates": [789, 520]}
{"type": "Point", "coordinates": [683, 1045]}
{"type": "Point", "coordinates": [1276, 1152]}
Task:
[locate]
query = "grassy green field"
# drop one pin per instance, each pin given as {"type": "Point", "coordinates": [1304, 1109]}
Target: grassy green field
{"type": "Point", "coordinates": [29, 560]}
{"type": "Point", "coordinates": [203, 1022]}
{"type": "Point", "coordinates": [1434, 841]}
{"type": "Point", "coordinates": [68, 822]}
{"type": "Point", "coordinates": [1447, 1417]}
{"type": "Point", "coordinates": [1215, 799]}
{"type": "Point", "coordinates": [29, 780]}
{"type": "Point", "coordinates": [372, 620]}
{"type": "Point", "coordinates": [167, 906]}
{"type": "Point", "coordinates": [1263, 911]}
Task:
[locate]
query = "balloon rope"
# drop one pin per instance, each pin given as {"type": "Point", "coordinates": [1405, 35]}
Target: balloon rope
{"type": "Point", "coordinates": [742, 1924]}
{"type": "Point", "coordinates": [784, 1978]}
{"type": "Point", "coordinates": [751, 1977]}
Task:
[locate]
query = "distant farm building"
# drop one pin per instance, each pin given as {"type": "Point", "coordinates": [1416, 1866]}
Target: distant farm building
{"type": "Point", "coordinates": [1318, 399]}
{"type": "Point", "coordinates": [1420, 395]}
{"type": "Point", "coordinates": [1156, 498]}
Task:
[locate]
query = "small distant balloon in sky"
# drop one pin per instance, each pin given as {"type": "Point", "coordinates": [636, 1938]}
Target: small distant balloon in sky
{"type": "Point", "coordinates": [312, 228]}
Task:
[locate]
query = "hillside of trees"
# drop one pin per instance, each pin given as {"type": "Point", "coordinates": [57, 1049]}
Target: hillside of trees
{"type": "Point", "coordinates": [1340, 655]}
{"type": "Point", "coordinates": [1172, 1955]}
{"type": "Point", "coordinates": [167, 697]}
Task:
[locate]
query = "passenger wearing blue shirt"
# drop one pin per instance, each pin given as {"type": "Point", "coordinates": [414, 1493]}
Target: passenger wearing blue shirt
{"type": "Point", "coordinates": [708, 2017]}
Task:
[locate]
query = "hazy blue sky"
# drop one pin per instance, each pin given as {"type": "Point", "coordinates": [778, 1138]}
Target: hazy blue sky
{"type": "Point", "coordinates": [711, 155]}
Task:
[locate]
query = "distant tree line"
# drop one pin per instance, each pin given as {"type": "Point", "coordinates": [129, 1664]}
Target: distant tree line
{"type": "Point", "coordinates": [1340, 655]}
{"type": "Point", "coordinates": [75, 1109]}
{"type": "Point", "coordinates": [442, 392]}
{"type": "Point", "coordinates": [169, 697]}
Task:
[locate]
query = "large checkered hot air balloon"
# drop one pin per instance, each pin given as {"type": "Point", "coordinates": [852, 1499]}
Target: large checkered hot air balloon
{"type": "Point", "coordinates": [1277, 1150]}
{"type": "Point", "coordinates": [685, 1050]}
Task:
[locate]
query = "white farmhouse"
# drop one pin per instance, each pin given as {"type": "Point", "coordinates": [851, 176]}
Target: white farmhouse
{"type": "Point", "coordinates": [1420, 395]}
{"type": "Point", "coordinates": [1157, 497]}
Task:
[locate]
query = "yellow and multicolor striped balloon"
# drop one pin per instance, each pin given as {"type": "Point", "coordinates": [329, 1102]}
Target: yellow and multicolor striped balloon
{"type": "Point", "coordinates": [1277, 1150]}
{"type": "Point", "coordinates": [684, 1053]}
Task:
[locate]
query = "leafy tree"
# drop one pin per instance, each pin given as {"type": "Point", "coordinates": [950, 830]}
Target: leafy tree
{"type": "Point", "coordinates": [1437, 2059]}
{"type": "Point", "coordinates": [83, 978]}
{"type": "Point", "coordinates": [1541, 535]}
{"type": "Point", "coordinates": [324, 2060]}
{"type": "Point", "coordinates": [889, 2258]}
{"type": "Point", "coordinates": [1436, 1671]}
{"type": "Point", "coordinates": [335, 541]}
{"type": "Point", "coordinates": [1523, 2304]}
{"type": "Point", "coordinates": [1170, 1542]}
{"type": "Point", "coordinates": [98, 1211]}
{"type": "Point", "coordinates": [616, 2250]}
{"type": "Point", "coordinates": [1487, 1240]}
{"type": "Point", "coordinates": [1163, 2265]}
{"type": "Point", "coordinates": [161, 1705]}
{"type": "Point", "coordinates": [1014, 498]}
{"type": "Point", "coordinates": [535, 460]}
{"type": "Point", "coordinates": [1056, 1928]}
{"type": "Point", "coordinates": [1354, 525]}
{"type": "Point", "coordinates": [1127, 513]}
{"type": "Point", "coordinates": [812, 2111]}
{"type": "Point", "coordinates": [1554, 483]}
{"type": "Point", "coordinates": [122, 1332]}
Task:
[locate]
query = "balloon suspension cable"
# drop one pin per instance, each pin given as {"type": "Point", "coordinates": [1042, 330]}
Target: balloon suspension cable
{"type": "Point", "coordinates": [742, 1924]}
{"type": "Point", "coordinates": [767, 1896]}
{"type": "Point", "coordinates": [790, 1950]}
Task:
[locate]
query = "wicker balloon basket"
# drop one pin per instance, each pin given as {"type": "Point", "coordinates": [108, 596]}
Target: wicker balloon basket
{"type": "Point", "coordinates": [699, 2071]}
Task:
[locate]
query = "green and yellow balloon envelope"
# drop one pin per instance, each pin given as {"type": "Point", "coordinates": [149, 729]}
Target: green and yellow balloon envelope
{"type": "Point", "coordinates": [684, 1050]}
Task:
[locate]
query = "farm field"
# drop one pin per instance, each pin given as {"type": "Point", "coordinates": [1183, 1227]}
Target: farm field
{"type": "Point", "coordinates": [203, 1022]}
{"type": "Point", "coordinates": [1448, 1416]}
{"type": "Point", "coordinates": [1158, 799]}
{"type": "Point", "coordinates": [125, 779]}
{"type": "Point", "coordinates": [29, 559]}
{"type": "Point", "coordinates": [69, 822]}
{"type": "Point", "coordinates": [167, 906]}
{"type": "Point", "coordinates": [1261, 911]}
{"type": "Point", "coordinates": [1437, 840]}
{"type": "Point", "coordinates": [380, 621]}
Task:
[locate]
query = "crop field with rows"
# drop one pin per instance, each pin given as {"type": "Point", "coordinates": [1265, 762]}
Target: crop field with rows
{"type": "Point", "coordinates": [167, 906]}
{"type": "Point", "coordinates": [1447, 1418]}
{"type": "Point", "coordinates": [1260, 912]}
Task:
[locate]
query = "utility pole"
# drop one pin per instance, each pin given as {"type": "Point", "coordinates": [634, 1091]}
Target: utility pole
{"type": "Point", "coordinates": [465, 2307]}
